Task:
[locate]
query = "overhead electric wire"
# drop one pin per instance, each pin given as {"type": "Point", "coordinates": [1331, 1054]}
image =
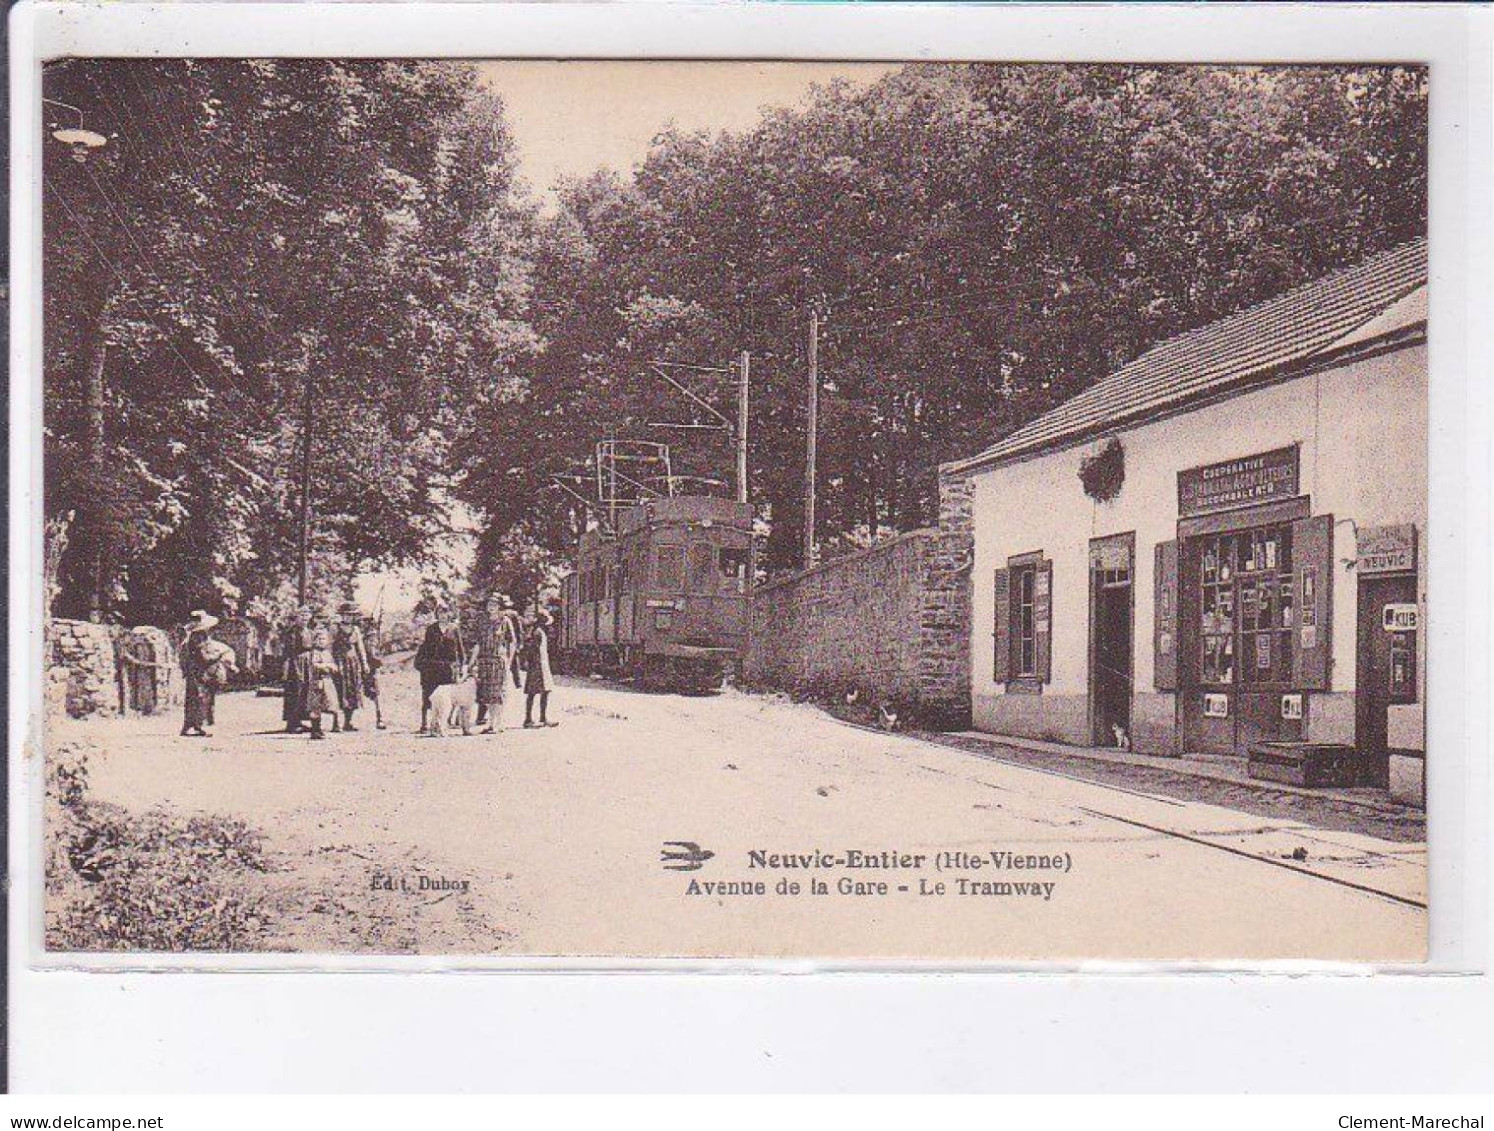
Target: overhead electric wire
{"type": "Point", "coordinates": [109, 263]}
{"type": "Point", "coordinates": [149, 159]}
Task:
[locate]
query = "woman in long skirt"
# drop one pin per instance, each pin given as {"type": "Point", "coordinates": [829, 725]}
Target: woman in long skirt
{"type": "Point", "coordinates": [497, 641]}
{"type": "Point", "coordinates": [351, 654]}
{"type": "Point", "coordinates": [539, 681]}
{"type": "Point", "coordinates": [295, 643]}
{"type": "Point", "coordinates": [197, 706]}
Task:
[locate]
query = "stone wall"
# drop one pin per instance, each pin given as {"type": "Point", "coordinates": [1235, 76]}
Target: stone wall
{"type": "Point", "coordinates": [101, 669]}
{"type": "Point", "coordinates": [888, 623]}
{"type": "Point", "coordinates": [150, 672]}
{"type": "Point", "coordinates": [85, 652]}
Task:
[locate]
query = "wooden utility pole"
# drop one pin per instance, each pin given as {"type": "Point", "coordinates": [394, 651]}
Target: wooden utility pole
{"type": "Point", "coordinates": [304, 550]}
{"type": "Point", "coordinates": [743, 376]}
{"type": "Point", "coordinates": [100, 525]}
{"type": "Point", "coordinates": [811, 431]}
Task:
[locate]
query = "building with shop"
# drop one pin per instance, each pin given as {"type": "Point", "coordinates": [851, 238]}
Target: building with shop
{"type": "Point", "coordinates": [1222, 543]}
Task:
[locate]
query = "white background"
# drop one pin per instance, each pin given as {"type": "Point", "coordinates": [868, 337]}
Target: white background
{"type": "Point", "coordinates": [1126, 1029]}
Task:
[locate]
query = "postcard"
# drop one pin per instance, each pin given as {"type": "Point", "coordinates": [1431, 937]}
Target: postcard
{"type": "Point", "coordinates": [638, 509]}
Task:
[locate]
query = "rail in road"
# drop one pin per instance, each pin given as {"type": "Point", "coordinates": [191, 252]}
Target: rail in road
{"type": "Point", "coordinates": [1269, 839]}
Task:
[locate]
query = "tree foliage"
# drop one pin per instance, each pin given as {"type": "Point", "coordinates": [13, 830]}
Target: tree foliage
{"type": "Point", "coordinates": [983, 240]}
{"type": "Point", "coordinates": [250, 232]}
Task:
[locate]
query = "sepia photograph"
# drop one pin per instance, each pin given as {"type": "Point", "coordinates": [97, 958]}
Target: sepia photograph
{"type": "Point", "coordinates": [657, 509]}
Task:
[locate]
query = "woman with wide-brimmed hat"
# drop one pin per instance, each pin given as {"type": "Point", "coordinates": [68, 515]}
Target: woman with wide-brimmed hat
{"type": "Point", "coordinates": [197, 705]}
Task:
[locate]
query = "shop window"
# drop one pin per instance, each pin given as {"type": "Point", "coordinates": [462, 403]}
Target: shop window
{"type": "Point", "coordinates": [1247, 604]}
{"type": "Point", "coordinates": [669, 567]}
{"type": "Point", "coordinates": [702, 566]}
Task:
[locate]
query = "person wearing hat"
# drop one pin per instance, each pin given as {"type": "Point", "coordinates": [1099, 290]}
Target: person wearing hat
{"type": "Point", "coordinates": [351, 652]}
{"type": "Point", "coordinates": [538, 679]}
{"type": "Point", "coordinates": [497, 641]}
{"type": "Point", "coordinates": [440, 659]}
{"type": "Point", "coordinates": [372, 647]}
{"type": "Point", "coordinates": [295, 642]}
{"type": "Point", "coordinates": [197, 703]}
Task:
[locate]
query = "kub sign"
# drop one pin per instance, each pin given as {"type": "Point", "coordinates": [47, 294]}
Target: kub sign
{"type": "Point", "coordinates": [1401, 618]}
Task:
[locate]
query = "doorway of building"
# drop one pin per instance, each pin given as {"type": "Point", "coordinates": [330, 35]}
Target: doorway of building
{"type": "Point", "coordinates": [1386, 668]}
{"type": "Point", "coordinates": [1111, 651]}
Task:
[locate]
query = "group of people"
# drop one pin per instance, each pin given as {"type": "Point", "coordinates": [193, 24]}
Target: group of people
{"type": "Point", "coordinates": [502, 651]}
{"type": "Point", "coordinates": [331, 671]}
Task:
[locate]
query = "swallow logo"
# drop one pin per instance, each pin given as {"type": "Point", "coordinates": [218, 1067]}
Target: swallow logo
{"type": "Point", "coordinates": [684, 855]}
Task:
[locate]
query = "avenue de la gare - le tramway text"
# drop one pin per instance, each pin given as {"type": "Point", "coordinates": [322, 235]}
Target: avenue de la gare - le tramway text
{"type": "Point", "coordinates": [862, 861]}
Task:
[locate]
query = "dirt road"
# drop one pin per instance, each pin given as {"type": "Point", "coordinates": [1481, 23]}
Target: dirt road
{"type": "Point", "coordinates": [921, 850]}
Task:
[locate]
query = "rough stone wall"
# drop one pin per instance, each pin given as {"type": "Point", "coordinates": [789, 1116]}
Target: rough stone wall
{"type": "Point", "coordinates": [946, 607]}
{"type": "Point", "coordinates": [150, 673]}
{"type": "Point", "coordinates": [850, 624]}
{"type": "Point", "coordinates": [85, 651]}
{"type": "Point", "coordinates": [89, 673]}
{"type": "Point", "coordinates": [890, 623]}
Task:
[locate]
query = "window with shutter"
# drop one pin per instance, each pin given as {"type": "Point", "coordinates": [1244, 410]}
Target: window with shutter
{"type": "Point", "coordinates": [1042, 621]}
{"type": "Point", "coordinates": [1165, 618]}
{"type": "Point", "coordinates": [1001, 669]}
{"type": "Point", "coordinates": [1028, 622]}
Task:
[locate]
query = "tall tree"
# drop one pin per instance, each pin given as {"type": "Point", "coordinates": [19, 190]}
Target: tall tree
{"type": "Point", "coordinates": [983, 240]}
{"type": "Point", "coordinates": [251, 231]}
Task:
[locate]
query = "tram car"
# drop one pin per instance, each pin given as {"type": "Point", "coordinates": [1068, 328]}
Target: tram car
{"type": "Point", "coordinates": [664, 598]}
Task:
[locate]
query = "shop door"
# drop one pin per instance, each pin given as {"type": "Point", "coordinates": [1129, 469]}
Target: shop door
{"type": "Point", "coordinates": [1111, 644]}
{"type": "Point", "coordinates": [1240, 606]}
{"type": "Point", "coordinates": [1386, 666]}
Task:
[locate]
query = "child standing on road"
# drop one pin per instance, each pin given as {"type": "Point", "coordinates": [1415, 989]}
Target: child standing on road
{"type": "Point", "coordinates": [323, 698]}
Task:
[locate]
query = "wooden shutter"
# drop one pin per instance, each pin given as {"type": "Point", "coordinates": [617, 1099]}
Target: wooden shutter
{"type": "Point", "coordinates": [1002, 668]}
{"type": "Point", "coordinates": [1165, 618]}
{"type": "Point", "coordinates": [1042, 620]}
{"type": "Point", "coordinates": [1312, 636]}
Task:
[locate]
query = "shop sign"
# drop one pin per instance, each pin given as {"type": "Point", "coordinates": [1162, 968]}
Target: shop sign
{"type": "Point", "coordinates": [1216, 706]}
{"type": "Point", "coordinates": [1387, 549]}
{"type": "Point", "coordinates": [1238, 482]}
{"type": "Point", "coordinates": [1291, 707]}
{"type": "Point", "coordinates": [1401, 618]}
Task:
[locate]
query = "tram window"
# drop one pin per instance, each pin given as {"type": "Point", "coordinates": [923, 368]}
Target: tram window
{"type": "Point", "coordinates": [701, 555]}
{"type": "Point", "coordinates": [669, 567]}
{"type": "Point", "coordinates": [733, 565]}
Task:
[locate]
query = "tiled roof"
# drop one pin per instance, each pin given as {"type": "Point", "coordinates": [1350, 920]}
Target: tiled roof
{"type": "Point", "coordinates": [1202, 363]}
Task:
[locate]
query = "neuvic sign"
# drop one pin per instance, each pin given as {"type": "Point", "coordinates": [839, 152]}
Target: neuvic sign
{"type": "Point", "coordinates": [1238, 482]}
